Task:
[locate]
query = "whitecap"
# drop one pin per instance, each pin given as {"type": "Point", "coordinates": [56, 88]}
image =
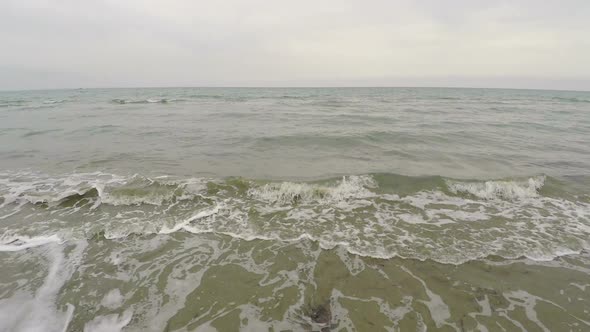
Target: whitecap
{"type": "Point", "coordinates": [109, 323]}
{"type": "Point", "coordinates": [290, 192]}
{"type": "Point", "coordinates": [113, 299]}
{"type": "Point", "coordinates": [510, 190]}
{"type": "Point", "coordinates": [17, 243]}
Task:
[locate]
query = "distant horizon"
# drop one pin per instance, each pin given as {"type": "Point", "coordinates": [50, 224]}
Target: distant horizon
{"type": "Point", "coordinates": [291, 87]}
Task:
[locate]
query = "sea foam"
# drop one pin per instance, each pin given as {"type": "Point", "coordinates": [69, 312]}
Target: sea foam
{"type": "Point", "coordinates": [516, 189]}
{"type": "Point", "coordinates": [290, 192]}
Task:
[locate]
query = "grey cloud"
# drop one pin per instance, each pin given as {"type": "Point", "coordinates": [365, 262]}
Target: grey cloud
{"type": "Point", "coordinates": [186, 43]}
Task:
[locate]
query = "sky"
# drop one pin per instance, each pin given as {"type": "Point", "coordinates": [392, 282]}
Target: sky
{"type": "Point", "coordinates": [141, 43]}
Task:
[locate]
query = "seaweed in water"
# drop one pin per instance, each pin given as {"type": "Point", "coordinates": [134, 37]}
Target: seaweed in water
{"type": "Point", "coordinates": [321, 314]}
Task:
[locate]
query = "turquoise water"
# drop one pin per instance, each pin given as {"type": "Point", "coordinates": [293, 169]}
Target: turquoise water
{"type": "Point", "coordinates": [227, 209]}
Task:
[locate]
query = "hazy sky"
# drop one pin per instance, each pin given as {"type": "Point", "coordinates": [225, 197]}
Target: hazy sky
{"type": "Point", "coordinates": [104, 43]}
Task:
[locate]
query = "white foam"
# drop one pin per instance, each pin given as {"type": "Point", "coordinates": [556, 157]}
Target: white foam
{"type": "Point", "coordinates": [185, 224]}
{"type": "Point", "coordinates": [17, 243]}
{"type": "Point", "coordinates": [38, 188]}
{"type": "Point", "coordinates": [38, 312]}
{"type": "Point", "coordinates": [109, 323]}
{"type": "Point", "coordinates": [486, 311]}
{"type": "Point", "coordinates": [581, 287]}
{"type": "Point", "coordinates": [202, 255]}
{"type": "Point", "coordinates": [395, 314]}
{"type": "Point", "coordinates": [250, 321]}
{"type": "Point", "coordinates": [143, 101]}
{"type": "Point", "coordinates": [550, 254]}
{"type": "Point", "coordinates": [113, 299]}
{"type": "Point", "coordinates": [340, 315]}
{"type": "Point", "coordinates": [439, 311]}
{"type": "Point", "coordinates": [511, 190]}
{"type": "Point", "coordinates": [348, 212]}
{"type": "Point", "coordinates": [354, 264]}
{"type": "Point", "coordinates": [373, 238]}
{"type": "Point", "coordinates": [54, 101]}
{"type": "Point", "coordinates": [290, 192]}
{"type": "Point", "coordinates": [27, 187]}
{"type": "Point", "coordinates": [528, 302]}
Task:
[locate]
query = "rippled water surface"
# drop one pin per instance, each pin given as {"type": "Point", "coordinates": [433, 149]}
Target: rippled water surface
{"type": "Point", "coordinates": [359, 209]}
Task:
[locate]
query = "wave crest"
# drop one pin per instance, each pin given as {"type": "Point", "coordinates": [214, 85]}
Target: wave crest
{"type": "Point", "coordinates": [509, 190]}
{"type": "Point", "coordinates": [290, 192]}
{"type": "Point", "coordinates": [143, 101]}
{"type": "Point", "coordinates": [17, 243]}
{"type": "Point", "coordinates": [380, 215]}
{"type": "Point", "coordinates": [98, 188]}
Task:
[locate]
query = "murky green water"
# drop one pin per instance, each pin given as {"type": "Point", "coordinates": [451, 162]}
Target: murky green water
{"type": "Point", "coordinates": [294, 210]}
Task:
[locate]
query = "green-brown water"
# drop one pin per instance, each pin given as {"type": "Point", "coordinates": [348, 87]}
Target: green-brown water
{"type": "Point", "coordinates": [294, 210]}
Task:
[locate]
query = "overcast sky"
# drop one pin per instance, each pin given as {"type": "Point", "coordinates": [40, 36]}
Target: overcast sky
{"type": "Point", "coordinates": [116, 43]}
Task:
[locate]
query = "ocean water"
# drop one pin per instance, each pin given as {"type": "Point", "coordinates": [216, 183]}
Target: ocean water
{"type": "Point", "coordinates": [299, 209]}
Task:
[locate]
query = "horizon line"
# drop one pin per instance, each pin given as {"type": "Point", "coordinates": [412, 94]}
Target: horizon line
{"type": "Point", "coordinates": [289, 87]}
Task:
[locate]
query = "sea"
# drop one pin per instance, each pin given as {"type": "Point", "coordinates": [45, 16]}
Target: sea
{"type": "Point", "coordinates": [294, 209]}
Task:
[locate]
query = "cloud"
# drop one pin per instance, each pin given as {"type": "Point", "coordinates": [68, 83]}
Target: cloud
{"type": "Point", "coordinates": [184, 43]}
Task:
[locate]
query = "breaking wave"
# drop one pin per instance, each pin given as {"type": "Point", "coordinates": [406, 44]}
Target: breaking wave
{"type": "Point", "coordinates": [144, 101]}
{"type": "Point", "coordinates": [100, 187]}
{"type": "Point", "coordinates": [511, 190]}
{"type": "Point", "coordinates": [377, 215]}
{"type": "Point", "coordinates": [137, 190]}
{"type": "Point", "coordinates": [291, 192]}
{"type": "Point", "coordinates": [17, 243]}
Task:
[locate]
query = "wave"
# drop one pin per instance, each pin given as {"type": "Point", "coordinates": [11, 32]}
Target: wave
{"type": "Point", "coordinates": [136, 190]}
{"type": "Point", "coordinates": [572, 99]}
{"type": "Point", "coordinates": [368, 140]}
{"type": "Point", "coordinates": [17, 243]}
{"type": "Point", "coordinates": [243, 98]}
{"type": "Point", "coordinates": [208, 96]}
{"type": "Point", "coordinates": [40, 132]}
{"type": "Point", "coordinates": [144, 101]}
{"type": "Point", "coordinates": [379, 215]}
{"type": "Point", "coordinates": [13, 103]}
{"type": "Point", "coordinates": [290, 192]}
{"type": "Point", "coordinates": [99, 188]}
{"type": "Point", "coordinates": [331, 103]}
{"type": "Point", "coordinates": [54, 101]}
{"type": "Point", "coordinates": [326, 244]}
{"type": "Point", "coordinates": [511, 190]}
{"type": "Point", "coordinates": [293, 97]}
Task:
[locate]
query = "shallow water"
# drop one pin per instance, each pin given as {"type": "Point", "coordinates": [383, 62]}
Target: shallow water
{"type": "Point", "coordinates": [294, 209]}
